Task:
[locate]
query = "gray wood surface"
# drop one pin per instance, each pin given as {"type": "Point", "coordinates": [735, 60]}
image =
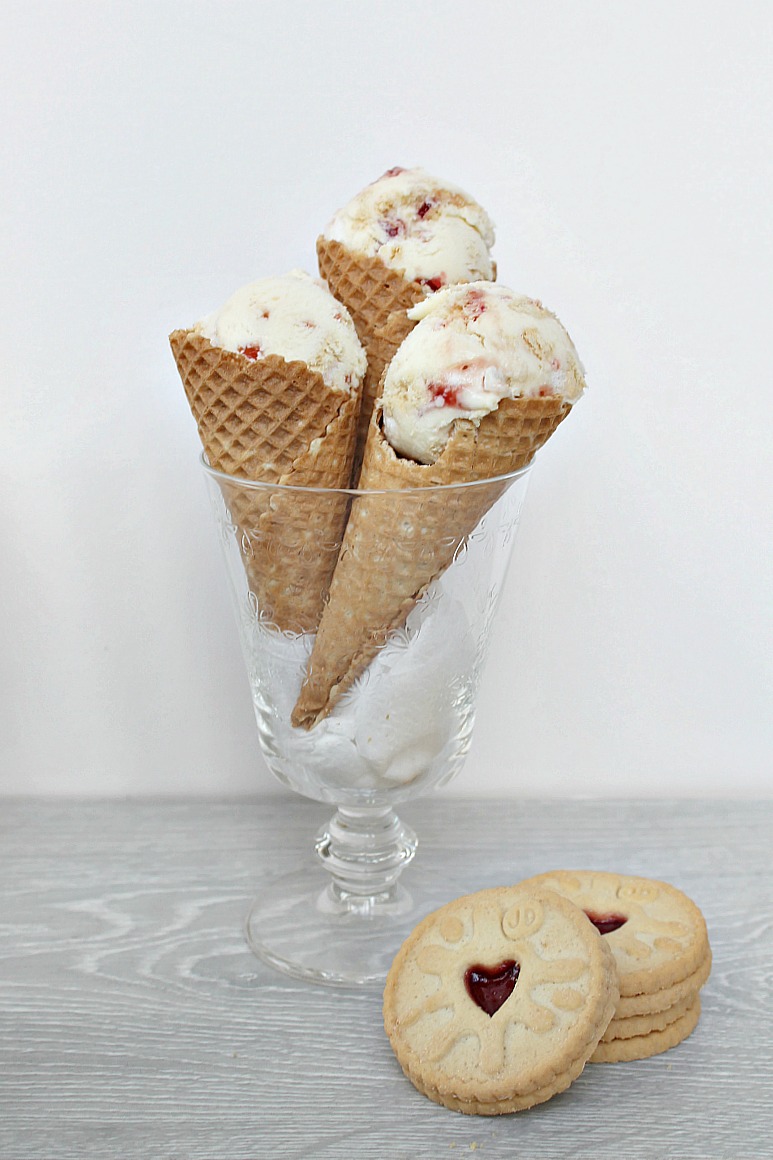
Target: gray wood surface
{"type": "Point", "coordinates": [134, 1022]}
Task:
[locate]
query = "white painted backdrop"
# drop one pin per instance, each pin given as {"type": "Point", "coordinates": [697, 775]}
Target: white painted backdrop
{"type": "Point", "coordinates": [157, 154]}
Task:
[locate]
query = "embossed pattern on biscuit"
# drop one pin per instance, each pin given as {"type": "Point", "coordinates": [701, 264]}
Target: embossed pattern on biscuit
{"type": "Point", "coordinates": [663, 937]}
{"type": "Point", "coordinates": [553, 1013]}
{"type": "Point", "coordinates": [515, 932]}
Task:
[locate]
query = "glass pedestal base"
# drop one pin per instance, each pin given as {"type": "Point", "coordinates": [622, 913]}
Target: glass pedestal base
{"type": "Point", "coordinates": [302, 927]}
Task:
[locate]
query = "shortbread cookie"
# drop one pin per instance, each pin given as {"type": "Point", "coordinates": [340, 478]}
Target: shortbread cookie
{"type": "Point", "coordinates": [662, 1000]}
{"type": "Point", "coordinates": [643, 1046]}
{"type": "Point", "coordinates": [656, 933]}
{"type": "Point", "coordinates": [644, 1024]}
{"type": "Point", "coordinates": [496, 1001]}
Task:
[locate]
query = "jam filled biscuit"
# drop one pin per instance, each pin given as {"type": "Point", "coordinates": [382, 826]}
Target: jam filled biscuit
{"type": "Point", "coordinates": [656, 933]}
{"type": "Point", "coordinates": [496, 1001]}
{"type": "Point", "coordinates": [661, 948]}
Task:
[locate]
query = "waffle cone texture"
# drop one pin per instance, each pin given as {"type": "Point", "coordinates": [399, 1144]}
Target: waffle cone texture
{"type": "Point", "coordinates": [396, 545]}
{"type": "Point", "coordinates": [377, 298]}
{"type": "Point", "coordinates": [272, 421]}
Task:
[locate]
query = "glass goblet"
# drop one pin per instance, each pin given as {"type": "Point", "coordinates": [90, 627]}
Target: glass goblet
{"type": "Point", "coordinates": [401, 728]}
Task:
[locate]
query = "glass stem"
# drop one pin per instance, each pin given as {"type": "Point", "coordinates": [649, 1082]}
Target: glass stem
{"type": "Point", "coordinates": [365, 850]}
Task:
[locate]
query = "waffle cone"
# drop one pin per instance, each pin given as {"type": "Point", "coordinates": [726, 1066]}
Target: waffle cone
{"type": "Point", "coordinates": [272, 421]}
{"type": "Point", "coordinates": [396, 545]}
{"type": "Point", "coordinates": [377, 298]}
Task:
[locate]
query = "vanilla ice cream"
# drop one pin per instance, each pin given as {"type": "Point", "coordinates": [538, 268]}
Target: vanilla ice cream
{"type": "Point", "coordinates": [473, 346]}
{"type": "Point", "coordinates": [429, 230]}
{"type": "Point", "coordinates": [296, 317]}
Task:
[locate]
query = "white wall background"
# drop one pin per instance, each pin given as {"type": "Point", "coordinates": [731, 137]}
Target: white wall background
{"type": "Point", "coordinates": [157, 154]}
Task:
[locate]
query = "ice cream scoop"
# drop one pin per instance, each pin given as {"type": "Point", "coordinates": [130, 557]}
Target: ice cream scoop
{"type": "Point", "coordinates": [400, 239]}
{"type": "Point", "coordinates": [473, 346]}
{"type": "Point", "coordinates": [430, 230]}
{"type": "Point", "coordinates": [296, 317]}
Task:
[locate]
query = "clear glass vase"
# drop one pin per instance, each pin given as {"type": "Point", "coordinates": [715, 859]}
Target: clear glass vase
{"type": "Point", "coordinates": [417, 577]}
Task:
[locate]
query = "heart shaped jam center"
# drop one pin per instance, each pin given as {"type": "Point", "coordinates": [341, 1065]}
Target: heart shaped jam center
{"type": "Point", "coordinates": [606, 923]}
{"type": "Point", "coordinates": [490, 987]}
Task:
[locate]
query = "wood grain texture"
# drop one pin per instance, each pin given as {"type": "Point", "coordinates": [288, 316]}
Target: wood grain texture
{"type": "Point", "coordinates": [134, 1022]}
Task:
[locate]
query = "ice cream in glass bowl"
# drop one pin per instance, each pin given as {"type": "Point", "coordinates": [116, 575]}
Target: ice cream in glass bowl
{"type": "Point", "coordinates": [366, 568]}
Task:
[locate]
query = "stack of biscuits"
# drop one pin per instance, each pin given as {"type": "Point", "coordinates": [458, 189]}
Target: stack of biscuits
{"type": "Point", "coordinates": [497, 1001]}
{"type": "Point", "coordinates": [659, 940]}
